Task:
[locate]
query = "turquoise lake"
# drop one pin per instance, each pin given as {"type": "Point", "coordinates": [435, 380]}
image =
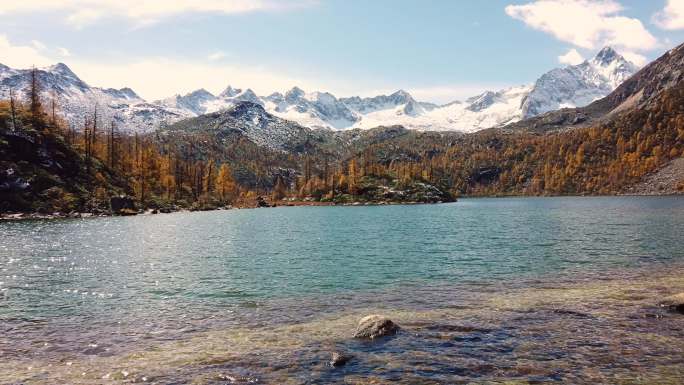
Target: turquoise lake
{"type": "Point", "coordinates": [80, 297]}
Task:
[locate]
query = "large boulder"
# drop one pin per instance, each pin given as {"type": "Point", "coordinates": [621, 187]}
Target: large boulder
{"type": "Point", "coordinates": [374, 326]}
{"type": "Point", "coordinates": [122, 205]}
{"type": "Point", "coordinates": [674, 302]}
{"type": "Point", "coordinates": [339, 359]}
{"type": "Point", "coordinates": [261, 202]}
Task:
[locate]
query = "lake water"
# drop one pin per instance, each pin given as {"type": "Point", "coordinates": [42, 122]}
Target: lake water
{"type": "Point", "coordinates": [518, 289]}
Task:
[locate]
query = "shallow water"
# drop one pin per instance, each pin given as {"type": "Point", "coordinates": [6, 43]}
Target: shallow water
{"type": "Point", "coordinates": [486, 290]}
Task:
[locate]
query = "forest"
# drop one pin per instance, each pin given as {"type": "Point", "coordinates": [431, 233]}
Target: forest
{"type": "Point", "coordinates": [47, 165]}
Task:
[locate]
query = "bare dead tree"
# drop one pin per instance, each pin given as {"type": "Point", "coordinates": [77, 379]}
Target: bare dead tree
{"type": "Point", "coordinates": [13, 109]}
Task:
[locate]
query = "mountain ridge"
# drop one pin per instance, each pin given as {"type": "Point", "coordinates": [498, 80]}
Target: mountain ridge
{"type": "Point", "coordinates": [570, 86]}
{"type": "Point", "coordinates": [638, 91]}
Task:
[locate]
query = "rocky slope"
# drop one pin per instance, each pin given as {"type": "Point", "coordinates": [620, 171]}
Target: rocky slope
{"type": "Point", "coordinates": [668, 180]}
{"type": "Point", "coordinates": [249, 120]}
{"type": "Point", "coordinates": [41, 172]}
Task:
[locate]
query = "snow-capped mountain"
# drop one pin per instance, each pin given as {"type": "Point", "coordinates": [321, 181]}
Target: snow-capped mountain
{"type": "Point", "coordinates": [76, 100]}
{"type": "Point", "coordinates": [579, 85]}
{"type": "Point", "coordinates": [250, 120]}
{"type": "Point", "coordinates": [571, 86]}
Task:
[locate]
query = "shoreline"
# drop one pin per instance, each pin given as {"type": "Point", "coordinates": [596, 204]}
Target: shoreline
{"type": "Point", "coordinates": [79, 215]}
{"type": "Point", "coordinates": [18, 216]}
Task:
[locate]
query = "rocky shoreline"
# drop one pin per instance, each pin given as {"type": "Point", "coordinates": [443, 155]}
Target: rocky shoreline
{"type": "Point", "coordinates": [548, 333]}
{"type": "Point", "coordinates": [130, 211]}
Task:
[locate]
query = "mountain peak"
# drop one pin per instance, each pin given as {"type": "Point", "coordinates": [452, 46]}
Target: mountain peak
{"type": "Point", "coordinates": [128, 90]}
{"type": "Point", "coordinates": [401, 93]}
{"type": "Point", "coordinates": [229, 92]}
{"type": "Point", "coordinates": [294, 93]}
{"type": "Point", "coordinates": [246, 108]}
{"type": "Point", "coordinates": [607, 55]}
{"type": "Point", "coordinates": [249, 96]}
{"type": "Point", "coordinates": [62, 69]}
{"type": "Point", "coordinates": [200, 92]}
{"type": "Point", "coordinates": [248, 91]}
{"type": "Point", "coordinates": [129, 93]}
{"type": "Point", "coordinates": [481, 101]}
{"type": "Point", "coordinates": [401, 96]}
{"type": "Point", "coordinates": [123, 93]}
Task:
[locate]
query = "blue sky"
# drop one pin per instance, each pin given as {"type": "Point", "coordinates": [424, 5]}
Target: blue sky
{"type": "Point", "coordinates": [437, 50]}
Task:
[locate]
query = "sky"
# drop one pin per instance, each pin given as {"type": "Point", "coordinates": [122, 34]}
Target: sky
{"type": "Point", "coordinates": [439, 51]}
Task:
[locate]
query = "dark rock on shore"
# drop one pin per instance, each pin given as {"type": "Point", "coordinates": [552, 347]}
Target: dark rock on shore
{"type": "Point", "coordinates": [674, 303]}
{"type": "Point", "coordinates": [261, 202]}
{"type": "Point", "coordinates": [127, 212]}
{"type": "Point", "coordinates": [375, 326]}
{"type": "Point", "coordinates": [385, 190]}
{"type": "Point", "coordinates": [122, 205]}
{"type": "Point", "coordinates": [339, 359]}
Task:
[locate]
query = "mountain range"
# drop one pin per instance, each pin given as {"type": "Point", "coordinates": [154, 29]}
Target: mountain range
{"type": "Point", "coordinates": [606, 147]}
{"type": "Point", "coordinates": [570, 86]}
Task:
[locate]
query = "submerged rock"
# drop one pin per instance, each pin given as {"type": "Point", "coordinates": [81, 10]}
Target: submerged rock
{"type": "Point", "coordinates": [374, 326]}
{"type": "Point", "coordinates": [674, 302]}
{"type": "Point", "coordinates": [339, 359]}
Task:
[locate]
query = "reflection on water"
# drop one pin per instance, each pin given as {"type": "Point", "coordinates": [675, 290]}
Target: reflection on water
{"type": "Point", "coordinates": [526, 290]}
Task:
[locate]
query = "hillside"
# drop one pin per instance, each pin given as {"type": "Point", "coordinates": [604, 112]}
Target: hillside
{"type": "Point", "coordinates": [603, 148]}
{"type": "Point", "coordinates": [41, 170]}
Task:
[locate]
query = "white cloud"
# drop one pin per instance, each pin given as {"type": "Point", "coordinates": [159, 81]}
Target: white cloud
{"type": "Point", "coordinates": [19, 56]}
{"type": "Point", "coordinates": [38, 45]}
{"type": "Point", "coordinates": [63, 52]}
{"type": "Point", "coordinates": [638, 59]}
{"type": "Point", "coordinates": [80, 13]}
{"type": "Point", "coordinates": [83, 17]}
{"type": "Point", "coordinates": [586, 24]}
{"type": "Point", "coordinates": [158, 77]}
{"type": "Point", "coordinates": [218, 55]}
{"type": "Point", "coordinates": [672, 16]}
{"type": "Point", "coordinates": [571, 57]}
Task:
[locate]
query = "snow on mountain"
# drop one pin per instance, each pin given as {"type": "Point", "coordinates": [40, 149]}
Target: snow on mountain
{"type": "Point", "coordinates": [578, 85]}
{"type": "Point", "coordinates": [570, 86]}
{"type": "Point", "coordinates": [316, 109]}
{"type": "Point", "coordinates": [76, 100]}
{"type": "Point", "coordinates": [194, 102]}
{"type": "Point", "coordinates": [487, 110]}
{"type": "Point", "coordinates": [251, 120]}
{"type": "Point", "coordinates": [229, 92]}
